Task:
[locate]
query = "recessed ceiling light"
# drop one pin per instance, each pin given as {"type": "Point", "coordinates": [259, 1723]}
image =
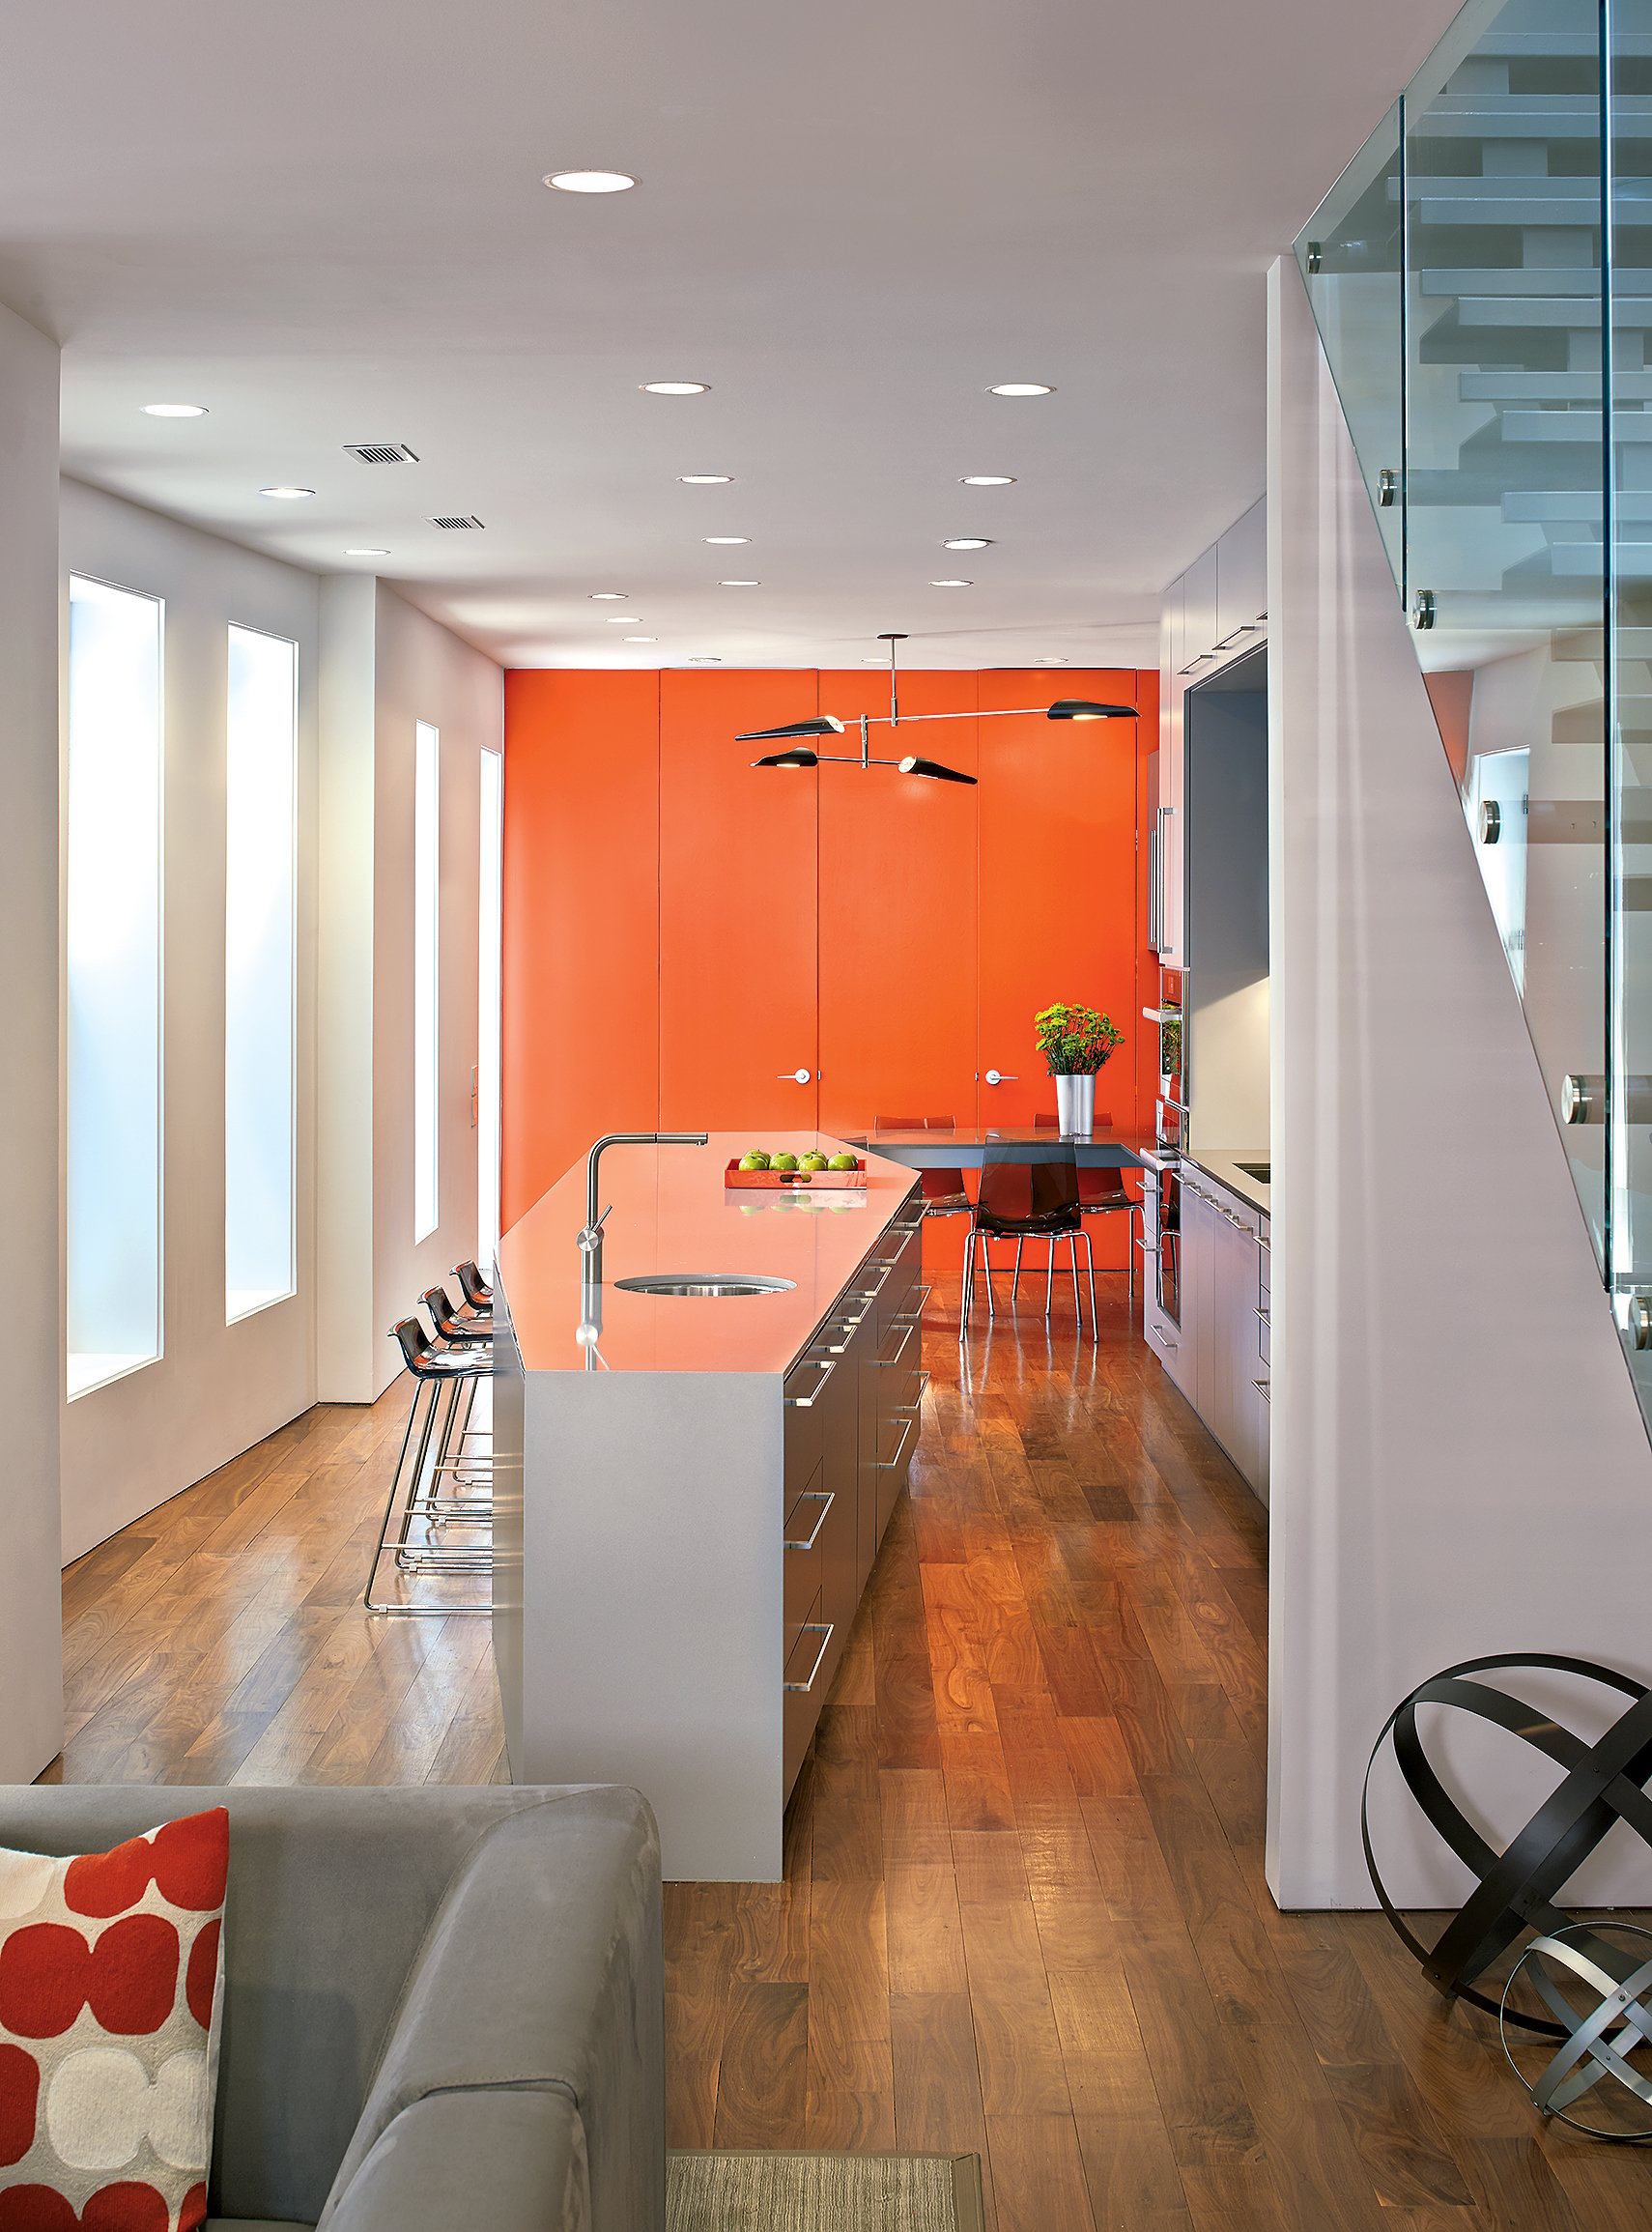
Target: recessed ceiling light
{"type": "Point", "coordinates": [362, 552]}
{"type": "Point", "coordinates": [642, 639]}
{"type": "Point", "coordinates": [739, 584]}
{"type": "Point", "coordinates": [676, 388]}
{"type": "Point", "coordinates": [987, 480]}
{"type": "Point", "coordinates": [952, 584]}
{"type": "Point", "coordinates": [967, 542]}
{"type": "Point", "coordinates": [707, 659]}
{"type": "Point", "coordinates": [608, 596]}
{"type": "Point", "coordinates": [285, 494]}
{"type": "Point", "coordinates": [623, 620]}
{"type": "Point", "coordinates": [705, 479]}
{"type": "Point", "coordinates": [1020, 388]}
{"type": "Point", "coordinates": [589, 182]}
{"type": "Point", "coordinates": [1050, 660]}
{"type": "Point", "coordinates": [175, 410]}
{"type": "Point", "coordinates": [725, 541]}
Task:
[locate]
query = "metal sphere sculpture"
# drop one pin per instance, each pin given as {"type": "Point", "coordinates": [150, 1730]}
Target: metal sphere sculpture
{"type": "Point", "coordinates": [1596, 1986]}
{"type": "Point", "coordinates": [1601, 1782]}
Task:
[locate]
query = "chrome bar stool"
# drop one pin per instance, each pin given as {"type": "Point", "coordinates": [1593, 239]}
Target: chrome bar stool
{"type": "Point", "coordinates": [461, 1329]}
{"type": "Point", "coordinates": [443, 1376]}
{"type": "Point", "coordinates": [474, 1286]}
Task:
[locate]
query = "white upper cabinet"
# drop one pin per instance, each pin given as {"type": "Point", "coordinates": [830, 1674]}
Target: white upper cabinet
{"type": "Point", "coordinates": [1199, 624]}
{"type": "Point", "coordinates": [1242, 574]}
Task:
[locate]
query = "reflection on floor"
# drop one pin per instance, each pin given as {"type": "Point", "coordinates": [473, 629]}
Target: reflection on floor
{"type": "Point", "coordinates": [1024, 1911]}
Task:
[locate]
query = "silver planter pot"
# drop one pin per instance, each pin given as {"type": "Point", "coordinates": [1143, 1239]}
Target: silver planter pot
{"type": "Point", "coordinates": [1075, 1105]}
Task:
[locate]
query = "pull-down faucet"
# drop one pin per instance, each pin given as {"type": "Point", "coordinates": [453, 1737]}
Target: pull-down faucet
{"type": "Point", "coordinates": [590, 1239]}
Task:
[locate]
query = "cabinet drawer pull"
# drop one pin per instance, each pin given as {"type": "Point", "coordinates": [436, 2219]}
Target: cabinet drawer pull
{"type": "Point", "coordinates": [825, 1633]}
{"type": "Point", "coordinates": [1164, 1340]}
{"type": "Point", "coordinates": [911, 1316]}
{"type": "Point", "coordinates": [901, 1409]}
{"type": "Point", "coordinates": [1263, 1315]}
{"type": "Point", "coordinates": [1261, 1386]}
{"type": "Point", "coordinates": [825, 1366]}
{"type": "Point", "coordinates": [824, 1497]}
{"type": "Point", "coordinates": [893, 1464]}
{"type": "Point", "coordinates": [870, 1295]}
{"type": "Point", "coordinates": [888, 1364]}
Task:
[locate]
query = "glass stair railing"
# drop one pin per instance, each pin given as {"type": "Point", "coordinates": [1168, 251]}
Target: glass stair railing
{"type": "Point", "coordinates": [1481, 276]}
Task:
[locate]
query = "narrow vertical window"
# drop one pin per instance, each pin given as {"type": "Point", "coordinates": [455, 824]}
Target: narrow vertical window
{"type": "Point", "coordinates": [112, 956]}
{"type": "Point", "coordinates": [260, 926]}
{"type": "Point", "coordinates": [489, 934]}
{"type": "Point", "coordinates": [427, 870]}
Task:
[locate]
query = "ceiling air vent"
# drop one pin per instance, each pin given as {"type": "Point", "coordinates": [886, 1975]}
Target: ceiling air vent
{"type": "Point", "coordinates": [455, 523]}
{"type": "Point", "coordinates": [382, 452]}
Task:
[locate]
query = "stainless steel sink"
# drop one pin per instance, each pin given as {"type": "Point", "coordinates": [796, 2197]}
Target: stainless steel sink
{"type": "Point", "coordinates": [705, 1282]}
{"type": "Point", "coordinates": [1259, 1171]}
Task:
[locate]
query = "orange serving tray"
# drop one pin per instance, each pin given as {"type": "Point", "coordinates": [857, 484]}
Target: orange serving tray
{"type": "Point", "coordinates": [830, 1180]}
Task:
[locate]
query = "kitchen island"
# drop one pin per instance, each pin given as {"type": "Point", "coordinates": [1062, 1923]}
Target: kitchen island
{"type": "Point", "coordinates": [690, 1490]}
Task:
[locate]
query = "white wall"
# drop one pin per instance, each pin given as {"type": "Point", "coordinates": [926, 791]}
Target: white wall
{"type": "Point", "coordinates": [216, 1388]}
{"type": "Point", "coordinates": [1459, 1463]}
{"type": "Point", "coordinates": [347, 1342]}
{"type": "Point", "coordinates": [380, 652]}
{"type": "Point", "coordinates": [31, 1723]}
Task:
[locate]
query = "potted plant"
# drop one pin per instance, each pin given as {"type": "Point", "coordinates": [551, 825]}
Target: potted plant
{"type": "Point", "coordinates": [1076, 1042]}
{"type": "Point", "coordinates": [1170, 1056]}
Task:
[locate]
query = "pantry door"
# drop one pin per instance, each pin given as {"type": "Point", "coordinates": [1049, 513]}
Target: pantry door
{"type": "Point", "coordinates": [1058, 885]}
{"type": "Point", "coordinates": [898, 911]}
{"type": "Point", "coordinates": [738, 950]}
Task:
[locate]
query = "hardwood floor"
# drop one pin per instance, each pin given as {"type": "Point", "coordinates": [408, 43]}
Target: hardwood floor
{"type": "Point", "coordinates": [1024, 1910]}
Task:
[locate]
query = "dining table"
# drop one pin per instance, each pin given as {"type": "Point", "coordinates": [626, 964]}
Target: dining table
{"type": "Point", "coordinates": [966, 1148]}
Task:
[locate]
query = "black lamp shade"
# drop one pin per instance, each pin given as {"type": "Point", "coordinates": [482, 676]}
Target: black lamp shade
{"type": "Point", "coordinates": [933, 769]}
{"type": "Point", "coordinates": [1086, 710]}
{"type": "Point", "coordinates": [821, 725]}
{"type": "Point", "coordinates": [796, 758]}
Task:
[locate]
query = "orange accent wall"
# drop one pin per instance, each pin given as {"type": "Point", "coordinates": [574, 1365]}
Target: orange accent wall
{"type": "Point", "coordinates": [682, 931]}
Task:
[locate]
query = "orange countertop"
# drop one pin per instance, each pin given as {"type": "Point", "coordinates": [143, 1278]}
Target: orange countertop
{"type": "Point", "coordinates": [672, 1213]}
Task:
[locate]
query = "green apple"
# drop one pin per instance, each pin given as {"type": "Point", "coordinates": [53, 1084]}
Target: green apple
{"type": "Point", "coordinates": [841, 1163]}
{"type": "Point", "coordinates": [815, 1160]}
{"type": "Point", "coordinates": [756, 1159]}
{"type": "Point", "coordinates": [784, 1163]}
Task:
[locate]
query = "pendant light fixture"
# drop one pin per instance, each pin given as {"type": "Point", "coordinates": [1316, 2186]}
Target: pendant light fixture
{"type": "Point", "coordinates": [827, 724]}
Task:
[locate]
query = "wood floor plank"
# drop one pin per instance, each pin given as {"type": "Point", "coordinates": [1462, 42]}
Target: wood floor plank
{"type": "Point", "coordinates": [763, 2077]}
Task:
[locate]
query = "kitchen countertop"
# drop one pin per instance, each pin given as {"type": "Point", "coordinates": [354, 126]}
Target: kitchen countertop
{"type": "Point", "coordinates": [672, 1213]}
{"type": "Point", "coordinates": [1222, 1163]}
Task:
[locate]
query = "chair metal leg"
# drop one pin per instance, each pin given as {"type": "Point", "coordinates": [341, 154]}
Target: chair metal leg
{"type": "Point", "coordinates": [1016, 1283]}
{"type": "Point", "coordinates": [1072, 1258]}
{"type": "Point", "coordinates": [1089, 1260]}
{"type": "Point", "coordinates": [1049, 1279]}
{"type": "Point", "coordinates": [987, 1265]}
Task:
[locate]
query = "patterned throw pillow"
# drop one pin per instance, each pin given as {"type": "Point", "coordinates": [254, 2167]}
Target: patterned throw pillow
{"type": "Point", "coordinates": [110, 1984]}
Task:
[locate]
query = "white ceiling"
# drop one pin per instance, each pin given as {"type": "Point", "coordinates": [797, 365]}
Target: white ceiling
{"type": "Point", "coordinates": [325, 221]}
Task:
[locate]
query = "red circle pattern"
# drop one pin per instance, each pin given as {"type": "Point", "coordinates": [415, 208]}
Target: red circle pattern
{"type": "Point", "coordinates": [128, 1979]}
{"type": "Point", "coordinates": [20, 2100]}
{"type": "Point", "coordinates": [127, 2206]}
{"type": "Point", "coordinates": [187, 1868]}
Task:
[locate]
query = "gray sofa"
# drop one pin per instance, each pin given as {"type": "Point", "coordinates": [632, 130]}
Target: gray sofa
{"type": "Point", "coordinates": [442, 2007]}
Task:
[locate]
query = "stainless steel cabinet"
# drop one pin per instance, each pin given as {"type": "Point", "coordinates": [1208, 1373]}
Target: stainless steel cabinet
{"type": "Point", "coordinates": [859, 1429]}
{"type": "Point", "coordinates": [1219, 1358]}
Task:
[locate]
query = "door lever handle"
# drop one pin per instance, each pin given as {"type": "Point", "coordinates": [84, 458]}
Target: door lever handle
{"type": "Point", "coordinates": [998, 1077]}
{"type": "Point", "coordinates": [793, 1077]}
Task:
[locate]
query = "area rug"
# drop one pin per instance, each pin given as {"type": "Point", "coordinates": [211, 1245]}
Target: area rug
{"type": "Point", "coordinates": [823, 2194]}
